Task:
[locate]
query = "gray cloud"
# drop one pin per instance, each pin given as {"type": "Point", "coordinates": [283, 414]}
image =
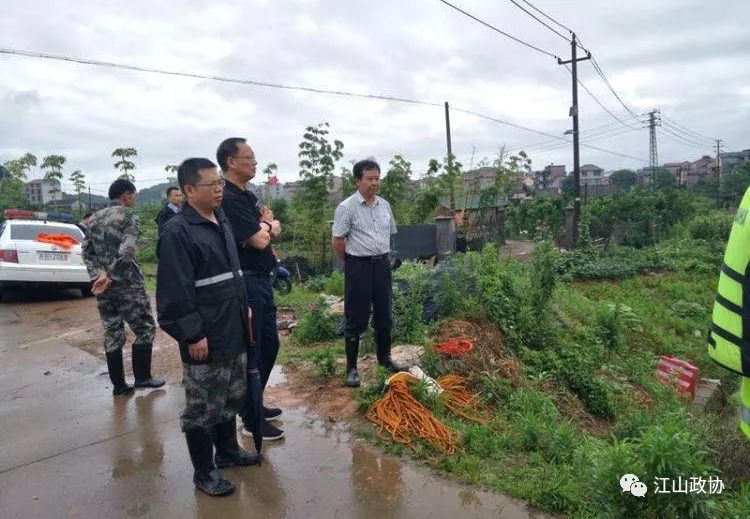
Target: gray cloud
{"type": "Point", "coordinates": [688, 58]}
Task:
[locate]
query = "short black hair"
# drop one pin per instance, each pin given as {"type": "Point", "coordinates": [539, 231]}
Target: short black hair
{"type": "Point", "coordinates": [188, 174]}
{"type": "Point", "coordinates": [119, 187]}
{"type": "Point", "coordinates": [170, 189]}
{"type": "Point", "coordinates": [87, 215]}
{"type": "Point", "coordinates": [364, 165]}
{"type": "Point", "coordinates": [226, 149]}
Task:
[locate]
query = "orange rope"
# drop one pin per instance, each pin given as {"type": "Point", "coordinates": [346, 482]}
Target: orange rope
{"type": "Point", "coordinates": [456, 347]}
{"type": "Point", "coordinates": [459, 399]}
{"type": "Point", "coordinates": [405, 419]}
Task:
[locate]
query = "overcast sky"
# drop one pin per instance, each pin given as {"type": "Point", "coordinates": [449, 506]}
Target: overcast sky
{"type": "Point", "coordinates": [690, 58]}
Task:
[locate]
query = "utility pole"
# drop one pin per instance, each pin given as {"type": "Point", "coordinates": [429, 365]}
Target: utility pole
{"type": "Point", "coordinates": [448, 131]}
{"type": "Point", "coordinates": [574, 59]}
{"type": "Point", "coordinates": [89, 198]}
{"type": "Point", "coordinates": [653, 158]}
{"type": "Point", "coordinates": [719, 175]}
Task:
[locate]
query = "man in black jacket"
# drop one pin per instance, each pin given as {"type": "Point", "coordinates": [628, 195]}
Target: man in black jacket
{"type": "Point", "coordinates": [254, 227]}
{"type": "Point", "coordinates": [200, 299]}
{"type": "Point", "coordinates": [173, 206]}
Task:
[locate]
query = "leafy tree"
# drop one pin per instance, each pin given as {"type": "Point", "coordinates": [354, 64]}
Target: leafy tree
{"type": "Point", "coordinates": [451, 181]}
{"type": "Point", "coordinates": [395, 186]}
{"type": "Point", "coordinates": [663, 179]}
{"type": "Point", "coordinates": [624, 179]}
{"type": "Point", "coordinates": [348, 185]}
{"type": "Point", "coordinates": [318, 156]}
{"type": "Point", "coordinates": [52, 166]}
{"type": "Point", "coordinates": [734, 185]}
{"type": "Point", "coordinates": [171, 170]}
{"type": "Point", "coordinates": [279, 207]}
{"type": "Point", "coordinates": [12, 193]}
{"type": "Point", "coordinates": [79, 183]}
{"type": "Point", "coordinates": [124, 164]}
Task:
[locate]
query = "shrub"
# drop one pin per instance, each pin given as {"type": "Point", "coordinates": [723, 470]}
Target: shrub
{"type": "Point", "coordinates": [325, 362]}
{"type": "Point", "coordinates": [668, 449]}
{"type": "Point", "coordinates": [712, 226]}
{"type": "Point", "coordinates": [334, 283]}
{"type": "Point", "coordinates": [609, 327]}
{"type": "Point", "coordinates": [316, 326]}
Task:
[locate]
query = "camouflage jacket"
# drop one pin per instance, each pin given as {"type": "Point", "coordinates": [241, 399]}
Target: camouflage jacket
{"type": "Point", "coordinates": [110, 245]}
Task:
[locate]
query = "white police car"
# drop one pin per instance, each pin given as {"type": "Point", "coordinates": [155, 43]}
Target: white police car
{"type": "Point", "coordinates": [25, 261]}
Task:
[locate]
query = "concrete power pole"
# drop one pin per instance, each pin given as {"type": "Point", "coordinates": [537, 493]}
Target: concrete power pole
{"type": "Point", "coordinates": [719, 175]}
{"type": "Point", "coordinates": [574, 59]}
{"type": "Point", "coordinates": [653, 121]}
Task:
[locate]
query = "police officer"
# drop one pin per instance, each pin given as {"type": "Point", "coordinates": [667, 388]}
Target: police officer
{"type": "Point", "coordinates": [200, 299]}
{"type": "Point", "coordinates": [109, 252]}
{"type": "Point", "coordinates": [729, 336]}
{"type": "Point", "coordinates": [362, 229]}
{"type": "Point", "coordinates": [172, 207]}
{"type": "Point", "coordinates": [254, 227]}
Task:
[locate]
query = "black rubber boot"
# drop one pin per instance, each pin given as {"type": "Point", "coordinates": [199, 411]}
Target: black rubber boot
{"type": "Point", "coordinates": [383, 341]}
{"type": "Point", "coordinates": [142, 369]}
{"type": "Point", "coordinates": [206, 476]}
{"type": "Point", "coordinates": [228, 451]}
{"type": "Point", "coordinates": [351, 343]}
{"type": "Point", "coordinates": [117, 374]}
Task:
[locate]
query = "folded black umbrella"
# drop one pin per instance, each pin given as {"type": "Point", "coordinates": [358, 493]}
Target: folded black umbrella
{"type": "Point", "coordinates": [254, 394]}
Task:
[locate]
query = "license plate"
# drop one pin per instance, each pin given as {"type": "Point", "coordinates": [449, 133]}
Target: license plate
{"type": "Point", "coordinates": [54, 256]}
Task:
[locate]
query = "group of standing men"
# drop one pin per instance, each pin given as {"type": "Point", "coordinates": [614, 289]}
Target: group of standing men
{"type": "Point", "coordinates": [215, 298]}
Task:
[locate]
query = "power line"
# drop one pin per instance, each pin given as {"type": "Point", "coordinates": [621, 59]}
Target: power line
{"type": "Point", "coordinates": [682, 140]}
{"type": "Point", "coordinates": [138, 68]}
{"type": "Point", "coordinates": [601, 73]}
{"type": "Point", "coordinates": [538, 20]}
{"type": "Point", "coordinates": [688, 130]}
{"type": "Point", "coordinates": [490, 26]}
{"type": "Point", "coordinates": [598, 101]}
{"type": "Point", "coordinates": [547, 16]}
{"type": "Point", "coordinates": [687, 136]}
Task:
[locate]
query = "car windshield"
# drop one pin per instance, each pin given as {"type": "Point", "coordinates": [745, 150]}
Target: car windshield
{"type": "Point", "coordinates": [31, 231]}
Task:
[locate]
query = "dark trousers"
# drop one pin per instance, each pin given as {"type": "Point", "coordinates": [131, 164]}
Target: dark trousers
{"type": "Point", "coordinates": [260, 299]}
{"type": "Point", "coordinates": [367, 289]}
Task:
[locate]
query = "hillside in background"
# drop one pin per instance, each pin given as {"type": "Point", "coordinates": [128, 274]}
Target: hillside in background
{"type": "Point", "coordinates": [154, 194]}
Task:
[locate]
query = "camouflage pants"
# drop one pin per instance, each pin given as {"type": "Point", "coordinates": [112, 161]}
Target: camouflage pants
{"type": "Point", "coordinates": [126, 304]}
{"type": "Point", "coordinates": [214, 392]}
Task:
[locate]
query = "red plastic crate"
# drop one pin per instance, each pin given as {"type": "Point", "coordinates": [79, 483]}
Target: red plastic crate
{"type": "Point", "coordinates": [678, 373]}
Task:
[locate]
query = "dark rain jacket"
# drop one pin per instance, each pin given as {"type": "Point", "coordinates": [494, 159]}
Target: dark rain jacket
{"type": "Point", "coordinates": [199, 286]}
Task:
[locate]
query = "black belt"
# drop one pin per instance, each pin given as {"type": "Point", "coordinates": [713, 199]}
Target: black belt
{"type": "Point", "coordinates": [371, 259]}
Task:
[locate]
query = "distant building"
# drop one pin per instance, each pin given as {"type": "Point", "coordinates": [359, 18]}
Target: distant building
{"type": "Point", "coordinates": [40, 192]}
{"type": "Point", "coordinates": [550, 178]}
{"type": "Point", "coordinates": [730, 159]}
{"type": "Point", "coordinates": [591, 175]}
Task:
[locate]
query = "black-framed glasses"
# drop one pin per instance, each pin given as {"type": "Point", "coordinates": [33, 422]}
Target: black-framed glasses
{"type": "Point", "coordinates": [243, 157]}
{"type": "Point", "coordinates": [216, 183]}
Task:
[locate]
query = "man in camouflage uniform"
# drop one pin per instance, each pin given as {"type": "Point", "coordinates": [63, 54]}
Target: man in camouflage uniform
{"type": "Point", "coordinates": [200, 301]}
{"type": "Point", "coordinates": [109, 252]}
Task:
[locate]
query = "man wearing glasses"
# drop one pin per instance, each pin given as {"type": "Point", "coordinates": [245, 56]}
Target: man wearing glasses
{"type": "Point", "coordinates": [254, 227]}
{"type": "Point", "coordinates": [200, 300]}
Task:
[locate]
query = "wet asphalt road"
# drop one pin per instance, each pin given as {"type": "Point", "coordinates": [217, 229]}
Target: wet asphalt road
{"type": "Point", "coordinates": [69, 450]}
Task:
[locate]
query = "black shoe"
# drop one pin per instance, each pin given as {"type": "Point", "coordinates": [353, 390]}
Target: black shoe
{"type": "Point", "coordinates": [117, 374]}
{"type": "Point", "coordinates": [351, 345]}
{"type": "Point", "coordinates": [142, 369]}
{"type": "Point", "coordinates": [206, 476]}
{"type": "Point", "coordinates": [271, 413]}
{"type": "Point", "coordinates": [383, 343]}
{"type": "Point", "coordinates": [270, 433]}
{"type": "Point", "coordinates": [352, 377]}
{"type": "Point", "coordinates": [228, 451]}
